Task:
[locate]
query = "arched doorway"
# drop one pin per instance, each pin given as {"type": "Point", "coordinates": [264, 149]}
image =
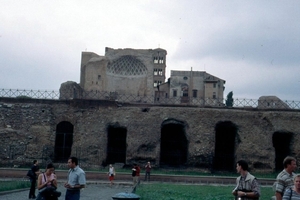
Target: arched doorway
{"type": "Point", "coordinates": [174, 145]}
{"type": "Point", "coordinates": [63, 141]}
{"type": "Point", "coordinates": [116, 144]}
{"type": "Point", "coordinates": [225, 145]}
{"type": "Point", "coordinates": [282, 144]}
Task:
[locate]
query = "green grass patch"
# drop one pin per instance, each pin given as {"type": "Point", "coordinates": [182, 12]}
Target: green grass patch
{"type": "Point", "coordinates": [13, 185]}
{"type": "Point", "coordinates": [191, 192]}
{"type": "Point", "coordinates": [185, 172]}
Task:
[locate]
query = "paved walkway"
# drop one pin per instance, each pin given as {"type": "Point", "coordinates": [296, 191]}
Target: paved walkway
{"type": "Point", "coordinates": [92, 191]}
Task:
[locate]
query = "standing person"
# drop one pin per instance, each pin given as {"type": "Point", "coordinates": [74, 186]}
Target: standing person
{"type": "Point", "coordinates": [47, 184]}
{"type": "Point", "coordinates": [76, 180]}
{"type": "Point", "coordinates": [148, 170]}
{"type": "Point", "coordinates": [285, 179]}
{"type": "Point", "coordinates": [293, 194]}
{"type": "Point", "coordinates": [111, 174]}
{"type": "Point", "coordinates": [247, 185]}
{"type": "Point", "coordinates": [34, 174]}
{"type": "Point", "coordinates": [134, 177]}
{"type": "Point", "coordinates": [138, 171]}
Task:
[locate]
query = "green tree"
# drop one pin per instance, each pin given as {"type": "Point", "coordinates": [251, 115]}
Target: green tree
{"type": "Point", "coordinates": [229, 100]}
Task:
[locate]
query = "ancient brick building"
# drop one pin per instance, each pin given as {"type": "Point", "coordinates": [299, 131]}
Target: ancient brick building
{"type": "Point", "coordinates": [139, 74]}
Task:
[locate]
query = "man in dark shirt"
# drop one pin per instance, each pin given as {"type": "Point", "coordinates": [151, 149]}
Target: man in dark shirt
{"type": "Point", "coordinates": [35, 170]}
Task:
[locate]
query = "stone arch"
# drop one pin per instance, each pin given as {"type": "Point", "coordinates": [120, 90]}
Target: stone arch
{"type": "Point", "coordinates": [116, 144]}
{"type": "Point", "coordinates": [282, 143]}
{"type": "Point", "coordinates": [225, 146]}
{"type": "Point", "coordinates": [63, 141]}
{"type": "Point", "coordinates": [174, 144]}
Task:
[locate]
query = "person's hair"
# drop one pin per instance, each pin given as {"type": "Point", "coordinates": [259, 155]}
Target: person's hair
{"type": "Point", "coordinates": [74, 160]}
{"type": "Point", "coordinates": [243, 164]}
{"type": "Point", "coordinates": [35, 161]}
{"type": "Point", "coordinates": [288, 160]}
{"type": "Point", "coordinates": [49, 166]}
{"type": "Point", "coordinates": [297, 176]}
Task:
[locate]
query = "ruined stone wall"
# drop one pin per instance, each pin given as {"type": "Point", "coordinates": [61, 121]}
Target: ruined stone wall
{"type": "Point", "coordinates": [28, 128]}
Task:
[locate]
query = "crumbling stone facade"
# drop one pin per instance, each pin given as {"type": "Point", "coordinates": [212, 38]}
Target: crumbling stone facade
{"type": "Point", "coordinates": [103, 132]}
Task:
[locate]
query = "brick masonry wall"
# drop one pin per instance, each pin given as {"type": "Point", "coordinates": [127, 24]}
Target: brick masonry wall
{"type": "Point", "coordinates": [28, 129]}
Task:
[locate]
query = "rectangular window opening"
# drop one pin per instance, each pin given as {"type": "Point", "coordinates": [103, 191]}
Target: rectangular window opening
{"type": "Point", "coordinates": [195, 93]}
{"type": "Point", "coordinates": [174, 93]}
{"type": "Point", "coordinates": [160, 72]}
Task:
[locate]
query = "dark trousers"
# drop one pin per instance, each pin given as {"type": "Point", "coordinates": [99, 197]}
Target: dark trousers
{"type": "Point", "coordinates": [72, 195]}
{"type": "Point", "coordinates": [147, 175]}
{"type": "Point", "coordinates": [32, 188]}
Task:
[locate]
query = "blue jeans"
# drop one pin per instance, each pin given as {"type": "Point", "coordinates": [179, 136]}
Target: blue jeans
{"type": "Point", "coordinates": [72, 195]}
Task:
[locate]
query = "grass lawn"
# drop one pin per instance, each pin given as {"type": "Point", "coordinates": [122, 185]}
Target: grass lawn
{"type": "Point", "coordinates": [164, 191]}
{"type": "Point", "coordinates": [12, 185]}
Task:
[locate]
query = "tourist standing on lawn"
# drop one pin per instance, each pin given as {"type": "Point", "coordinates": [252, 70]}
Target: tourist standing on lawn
{"type": "Point", "coordinates": [247, 186]}
{"type": "Point", "coordinates": [285, 178]}
{"type": "Point", "coordinates": [76, 180]}
{"type": "Point", "coordinates": [147, 171]}
{"type": "Point", "coordinates": [133, 174]}
{"type": "Point", "coordinates": [138, 171]}
{"type": "Point", "coordinates": [293, 194]}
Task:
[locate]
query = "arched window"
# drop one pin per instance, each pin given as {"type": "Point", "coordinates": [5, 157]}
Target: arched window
{"type": "Point", "coordinates": [174, 145]}
{"type": "Point", "coordinates": [282, 144]}
{"type": "Point", "coordinates": [116, 144]}
{"type": "Point", "coordinates": [225, 145]}
{"type": "Point", "coordinates": [63, 141]}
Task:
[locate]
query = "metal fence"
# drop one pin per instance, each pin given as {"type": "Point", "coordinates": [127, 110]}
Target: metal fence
{"type": "Point", "coordinates": [265, 103]}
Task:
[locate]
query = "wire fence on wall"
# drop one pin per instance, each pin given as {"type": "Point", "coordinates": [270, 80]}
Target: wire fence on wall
{"type": "Point", "coordinates": [262, 103]}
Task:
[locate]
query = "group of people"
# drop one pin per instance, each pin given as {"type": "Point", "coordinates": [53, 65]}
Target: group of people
{"type": "Point", "coordinates": [287, 185]}
{"type": "Point", "coordinates": [136, 169]}
{"type": "Point", "coordinates": [47, 181]}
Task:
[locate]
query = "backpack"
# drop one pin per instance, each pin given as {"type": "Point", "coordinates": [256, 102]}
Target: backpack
{"type": "Point", "coordinates": [30, 174]}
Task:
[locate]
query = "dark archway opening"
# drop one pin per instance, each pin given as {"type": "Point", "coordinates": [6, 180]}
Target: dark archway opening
{"type": "Point", "coordinates": [174, 145]}
{"type": "Point", "coordinates": [116, 144]}
{"type": "Point", "coordinates": [282, 144]}
{"type": "Point", "coordinates": [225, 145]}
{"type": "Point", "coordinates": [63, 141]}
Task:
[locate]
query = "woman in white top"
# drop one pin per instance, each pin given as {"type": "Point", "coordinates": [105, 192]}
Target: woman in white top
{"type": "Point", "coordinates": [111, 174]}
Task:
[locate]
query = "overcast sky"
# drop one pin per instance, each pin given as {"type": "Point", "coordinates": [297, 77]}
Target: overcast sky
{"type": "Point", "coordinates": [253, 45]}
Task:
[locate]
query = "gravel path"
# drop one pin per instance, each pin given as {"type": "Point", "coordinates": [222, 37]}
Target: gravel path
{"type": "Point", "coordinates": [91, 192]}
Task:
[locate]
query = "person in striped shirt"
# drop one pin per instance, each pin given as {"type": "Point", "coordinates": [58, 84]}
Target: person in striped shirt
{"type": "Point", "coordinates": [285, 178]}
{"type": "Point", "coordinates": [293, 193]}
